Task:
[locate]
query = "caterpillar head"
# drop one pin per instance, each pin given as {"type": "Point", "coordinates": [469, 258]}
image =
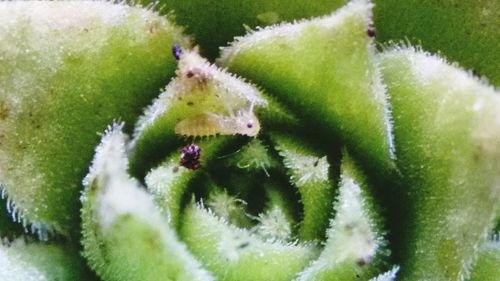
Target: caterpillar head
{"type": "Point", "coordinates": [248, 124]}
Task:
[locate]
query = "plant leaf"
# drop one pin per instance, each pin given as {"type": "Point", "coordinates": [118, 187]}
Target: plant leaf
{"type": "Point", "coordinates": [323, 68]}
{"type": "Point", "coordinates": [486, 267]}
{"type": "Point", "coordinates": [214, 23]}
{"type": "Point", "coordinates": [462, 31]}
{"type": "Point", "coordinates": [310, 174]}
{"type": "Point", "coordinates": [125, 236]}
{"type": "Point", "coordinates": [68, 69]}
{"type": "Point", "coordinates": [355, 247]}
{"type": "Point", "coordinates": [232, 253]}
{"type": "Point", "coordinates": [21, 261]}
{"type": "Point", "coordinates": [447, 132]}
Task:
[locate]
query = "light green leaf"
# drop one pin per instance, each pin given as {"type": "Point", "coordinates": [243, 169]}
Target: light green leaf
{"type": "Point", "coordinates": [232, 253]}
{"type": "Point", "coordinates": [125, 236]}
{"type": "Point", "coordinates": [462, 31]}
{"type": "Point", "coordinates": [323, 68]}
{"type": "Point", "coordinates": [213, 23]}
{"type": "Point", "coordinates": [23, 261]}
{"type": "Point", "coordinates": [67, 70]}
{"type": "Point", "coordinates": [169, 181]}
{"type": "Point", "coordinates": [487, 267]}
{"type": "Point", "coordinates": [310, 174]}
{"type": "Point", "coordinates": [447, 132]}
{"type": "Point", "coordinates": [355, 247]}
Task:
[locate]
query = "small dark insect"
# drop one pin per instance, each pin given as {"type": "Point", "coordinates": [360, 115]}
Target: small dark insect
{"type": "Point", "coordinates": [371, 30]}
{"type": "Point", "coordinates": [199, 73]}
{"type": "Point", "coordinates": [190, 157]}
{"type": "Point", "coordinates": [243, 245]}
{"type": "Point", "coordinates": [364, 261]}
{"type": "Point", "coordinates": [176, 51]}
{"type": "Point", "coordinates": [361, 262]}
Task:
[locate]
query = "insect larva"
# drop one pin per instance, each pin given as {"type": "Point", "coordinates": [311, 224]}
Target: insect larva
{"type": "Point", "coordinates": [209, 124]}
{"type": "Point", "coordinates": [220, 103]}
{"type": "Point", "coordinates": [200, 125]}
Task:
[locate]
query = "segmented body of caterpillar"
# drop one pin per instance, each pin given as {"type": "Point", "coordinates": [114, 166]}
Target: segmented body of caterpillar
{"type": "Point", "coordinates": [209, 124]}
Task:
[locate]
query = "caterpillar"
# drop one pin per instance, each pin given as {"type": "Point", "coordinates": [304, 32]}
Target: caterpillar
{"type": "Point", "coordinates": [219, 103]}
{"type": "Point", "coordinates": [209, 124]}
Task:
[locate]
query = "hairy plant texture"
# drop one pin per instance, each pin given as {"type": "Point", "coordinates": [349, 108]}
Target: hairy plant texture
{"type": "Point", "coordinates": [215, 23]}
{"type": "Point", "coordinates": [8, 228]}
{"type": "Point", "coordinates": [438, 26]}
{"type": "Point", "coordinates": [344, 97]}
{"type": "Point", "coordinates": [21, 260]}
{"type": "Point", "coordinates": [488, 261]}
{"type": "Point", "coordinates": [446, 128]}
{"type": "Point", "coordinates": [216, 233]}
{"type": "Point", "coordinates": [355, 246]}
{"type": "Point", "coordinates": [67, 70]}
{"type": "Point", "coordinates": [114, 227]}
{"type": "Point", "coordinates": [322, 159]}
{"type": "Point", "coordinates": [125, 235]}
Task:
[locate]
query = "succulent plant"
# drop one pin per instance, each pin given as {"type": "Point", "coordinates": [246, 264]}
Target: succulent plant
{"type": "Point", "coordinates": [324, 148]}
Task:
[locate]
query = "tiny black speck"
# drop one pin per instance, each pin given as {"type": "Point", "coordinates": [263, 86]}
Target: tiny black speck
{"type": "Point", "coordinates": [371, 31]}
{"type": "Point", "coordinates": [176, 51]}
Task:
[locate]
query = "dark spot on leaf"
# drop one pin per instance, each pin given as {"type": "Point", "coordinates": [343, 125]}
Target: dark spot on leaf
{"type": "Point", "coordinates": [190, 157]}
{"type": "Point", "coordinates": [371, 31]}
{"type": "Point", "coordinates": [365, 260]}
{"type": "Point", "coordinates": [154, 27]}
{"type": "Point", "coordinates": [176, 51]}
{"type": "Point", "coordinates": [243, 245]}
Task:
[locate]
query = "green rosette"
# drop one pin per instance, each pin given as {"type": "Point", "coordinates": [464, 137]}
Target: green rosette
{"type": "Point", "coordinates": [218, 202]}
{"type": "Point", "coordinates": [304, 153]}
